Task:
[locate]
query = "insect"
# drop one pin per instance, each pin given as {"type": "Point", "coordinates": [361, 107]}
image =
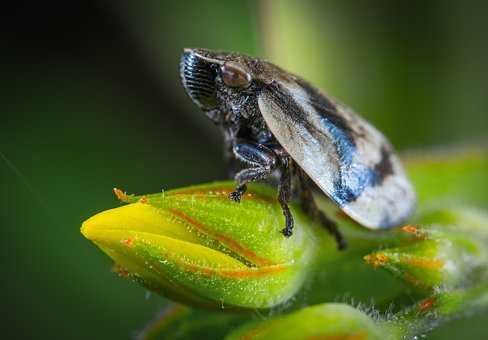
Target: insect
{"type": "Point", "coordinates": [277, 124]}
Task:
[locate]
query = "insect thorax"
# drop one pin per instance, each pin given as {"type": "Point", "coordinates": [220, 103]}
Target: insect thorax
{"type": "Point", "coordinates": [239, 113]}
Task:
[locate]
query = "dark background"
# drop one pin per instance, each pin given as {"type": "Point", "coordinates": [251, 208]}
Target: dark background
{"type": "Point", "coordinates": [90, 99]}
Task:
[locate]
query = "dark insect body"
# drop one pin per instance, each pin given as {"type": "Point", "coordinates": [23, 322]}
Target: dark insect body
{"type": "Point", "coordinates": [276, 123]}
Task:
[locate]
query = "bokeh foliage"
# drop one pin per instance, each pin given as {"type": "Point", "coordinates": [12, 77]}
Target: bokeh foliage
{"type": "Point", "coordinates": [91, 100]}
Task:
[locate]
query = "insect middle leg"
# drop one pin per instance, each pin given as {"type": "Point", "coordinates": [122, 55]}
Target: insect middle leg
{"type": "Point", "coordinates": [311, 209]}
{"type": "Point", "coordinates": [284, 196]}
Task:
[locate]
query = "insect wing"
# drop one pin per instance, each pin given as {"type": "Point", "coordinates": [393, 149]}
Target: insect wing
{"type": "Point", "coordinates": [344, 155]}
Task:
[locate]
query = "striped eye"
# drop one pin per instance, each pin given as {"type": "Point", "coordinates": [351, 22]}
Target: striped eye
{"type": "Point", "coordinates": [234, 75]}
{"type": "Point", "coordinates": [199, 80]}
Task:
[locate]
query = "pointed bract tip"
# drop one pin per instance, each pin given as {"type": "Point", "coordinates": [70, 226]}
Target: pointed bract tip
{"type": "Point", "coordinates": [121, 195]}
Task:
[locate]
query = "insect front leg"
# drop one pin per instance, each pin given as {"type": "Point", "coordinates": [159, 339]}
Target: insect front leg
{"type": "Point", "coordinates": [311, 209]}
{"type": "Point", "coordinates": [262, 162]}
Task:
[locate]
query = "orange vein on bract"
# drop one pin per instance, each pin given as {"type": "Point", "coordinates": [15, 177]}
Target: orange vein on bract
{"type": "Point", "coordinates": [232, 273]}
{"type": "Point", "coordinates": [129, 242]}
{"type": "Point", "coordinates": [247, 272]}
{"type": "Point", "coordinates": [424, 263]}
{"type": "Point", "coordinates": [413, 280]}
{"type": "Point", "coordinates": [426, 304]}
{"type": "Point", "coordinates": [376, 259]}
{"type": "Point", "coordinates": [410, 229]}
{"type": "Point", "coordinates": [227, 241]}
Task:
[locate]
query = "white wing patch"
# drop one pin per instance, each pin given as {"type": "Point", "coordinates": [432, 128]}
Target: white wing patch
{"type": "Point", "coordinates": [345, 156]}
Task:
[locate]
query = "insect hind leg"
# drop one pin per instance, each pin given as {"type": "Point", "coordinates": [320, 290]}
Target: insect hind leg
{"type": "Point", "coordinates": [310, 207]}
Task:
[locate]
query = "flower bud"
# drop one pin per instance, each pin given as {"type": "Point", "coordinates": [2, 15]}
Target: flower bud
{"type": "Point", "coordinates": [197, 246]}
{"type": "Point", "coordinates": [325, 321]}
{"type": "Point", "coordinates": [440, 256]}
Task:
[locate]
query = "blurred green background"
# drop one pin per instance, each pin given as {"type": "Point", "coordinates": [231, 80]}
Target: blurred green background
{"type": "Point", "coordinates": [91, 99]}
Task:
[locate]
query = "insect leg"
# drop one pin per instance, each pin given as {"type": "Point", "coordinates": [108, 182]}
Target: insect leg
{"type": "Point", "coordinates": [311, 209]}
{"type": "Point", "coordinates": [262, 161]}
{"type": "Point", "coordinates": [284, 197]}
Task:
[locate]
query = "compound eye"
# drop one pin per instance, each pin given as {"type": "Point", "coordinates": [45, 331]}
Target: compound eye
{"type": "Point", "coordinates": [234, 75]}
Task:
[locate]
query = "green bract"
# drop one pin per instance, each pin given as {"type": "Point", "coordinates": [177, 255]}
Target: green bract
{"type": "Point", "coordinates": [327, 321]}
{"type": "Point", "coordinates": [438, 256]}
{"type": "Point", "coordinates": [197, 246]}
